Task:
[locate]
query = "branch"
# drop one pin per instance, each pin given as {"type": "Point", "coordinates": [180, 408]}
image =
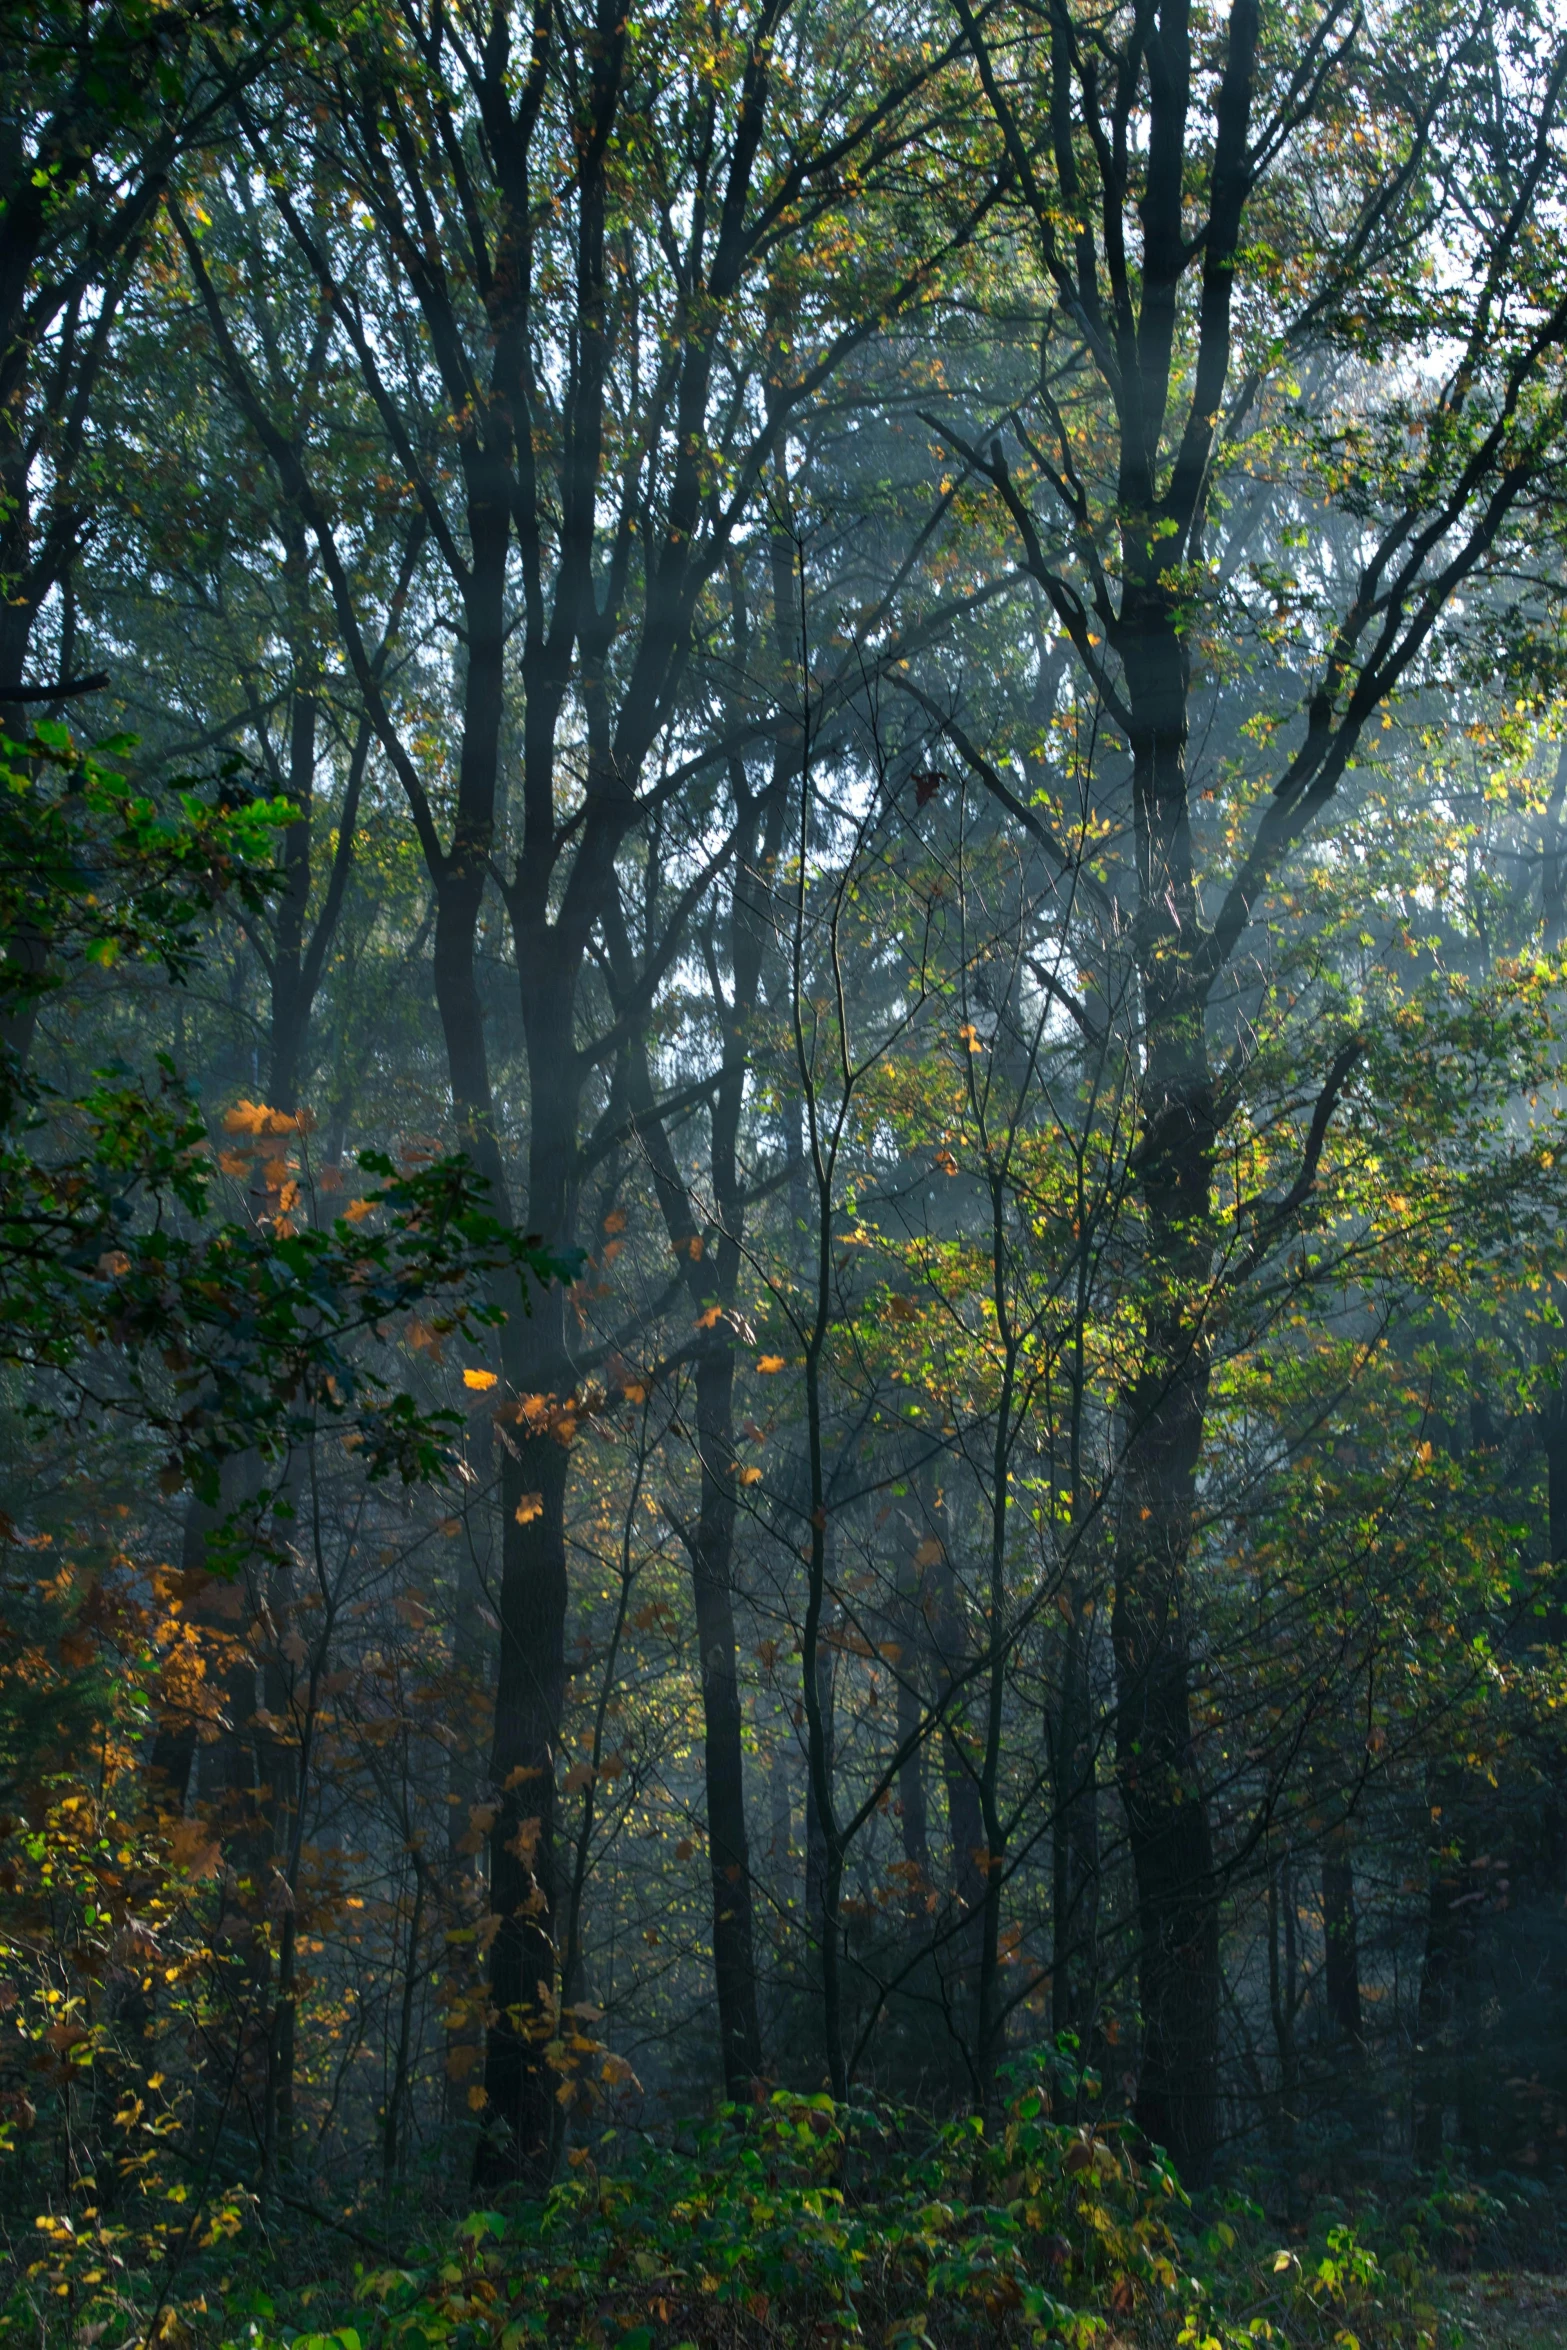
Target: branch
{"type": "Point", "coordinates": [1269, 1228]}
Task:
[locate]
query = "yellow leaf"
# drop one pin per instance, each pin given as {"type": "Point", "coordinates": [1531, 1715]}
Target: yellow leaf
{"type": "Point", "coordinates": [478, 1380]}
{"type": "Point", "coordinates": [768, 1364]}
{"type": "Point", "coordinates": [751, 1476]}
{"type": "Point", "coordinates": [971, 1037]}
{"type": "Point", "coordinates": [530, 1507]}
{"type": "Point", "coordinates": [478, 2098]}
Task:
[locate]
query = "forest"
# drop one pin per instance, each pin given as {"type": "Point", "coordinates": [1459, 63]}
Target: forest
{"type": "Point", "coordinates": [783, 1174]}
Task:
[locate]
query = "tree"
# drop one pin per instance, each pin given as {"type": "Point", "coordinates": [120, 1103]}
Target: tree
{"type": "Point", "coordinates": [1159, 165]}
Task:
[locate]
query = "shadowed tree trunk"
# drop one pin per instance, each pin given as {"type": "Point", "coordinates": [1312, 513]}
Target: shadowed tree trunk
{"type": "Point", "coordinates": [1341, 1965]}
{"type": "Point", "coordinates": [1071, 1745]}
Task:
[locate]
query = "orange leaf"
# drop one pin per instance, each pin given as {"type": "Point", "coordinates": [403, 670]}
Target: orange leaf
{"type": "Point", "coordinates": [192, 1850]}
{"type": "Point", "coordinates": [478, 1380]}
{"type": "Point", "coordinates": [768, 1364]}
{"type": "Point", "coordinates": [530, 1507]}
{"type": "Point", "coordinates": [246, 1117]}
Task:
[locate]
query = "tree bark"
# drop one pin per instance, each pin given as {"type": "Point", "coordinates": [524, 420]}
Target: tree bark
{"type": "Point", "coordinates": [1074, 1833]}
{"type": "Point", "coordinates": [1341, 1966]}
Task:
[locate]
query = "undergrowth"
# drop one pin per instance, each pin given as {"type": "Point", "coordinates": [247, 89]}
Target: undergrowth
{"type": "Point", "coordinates": [792, 2226]}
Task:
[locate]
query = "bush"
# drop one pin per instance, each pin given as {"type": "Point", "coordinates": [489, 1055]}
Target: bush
{"type": "Point", "coordinates": [801, 2224]}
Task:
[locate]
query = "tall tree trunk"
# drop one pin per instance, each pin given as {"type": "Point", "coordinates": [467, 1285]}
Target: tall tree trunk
{"type": "Point", "coordinates": [530, 1685]}
{"type": "Point", "coordinates": [1074, 1835]}
{"type": "Point", "coordinates": [713, 1280]}
{"type": "Point", "coordinates": [1341, 1966]}
{"type": "Point", "coordinates": [1166, 1809]}
{"type": "Point", "coordinates": [961, 1764]}
{"type": "Point", "coordinates": [821, 1762]}
{"type": "Point", "coordinates": [290, 1002]}
{"type": "Point", "coordinates": [912, 1634]}
{"type": "Point", "coordinates": [1448, 1935]}
{"type": "Point", "coordinates": [712, 1566]}
{"type": "Point", "coordinates": [1283, 1992]}
{"type": "Point", "coordinates": [462, 1987]}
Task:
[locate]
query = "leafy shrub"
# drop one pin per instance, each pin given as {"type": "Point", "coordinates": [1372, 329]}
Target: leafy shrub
{"type": "Point", "coordinates": [802, 2224]}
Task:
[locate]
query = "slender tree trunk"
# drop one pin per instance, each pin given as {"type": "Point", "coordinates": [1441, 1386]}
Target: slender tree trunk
{"type": "Point", "coordinates": [462, 1987]}
{"type": "Point", "coordinates": [821, 1884]}
{"type": "Point", "coordinates": [712, 1564]}
{"type": "Point", "coordinates": [290, 1004]}
{"type": "Point", "coordinates": [989, 2028]}
{"type": "Point", "coordinates": [1341, 1968]}
{"type": "Point", "coordinates": [1283, 1996]}
{"type": "Point", "coordinates": [282, 1794]}
{"type": "Point", "coordinates": [1447, 1935]}
{"type": "Point", "coordinates": [393, 2136]}
{"type": "Point", "coordinates": [960, 1772]}
{"type": "Point", "coordinates": [913, 1638]}
{"type": "Point", "coordinates": [713, 1280]}
{"type": "Point", "coordinates": [1555, 1423]}
{"type": "Point", "coordinates": [1074, 1836]}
